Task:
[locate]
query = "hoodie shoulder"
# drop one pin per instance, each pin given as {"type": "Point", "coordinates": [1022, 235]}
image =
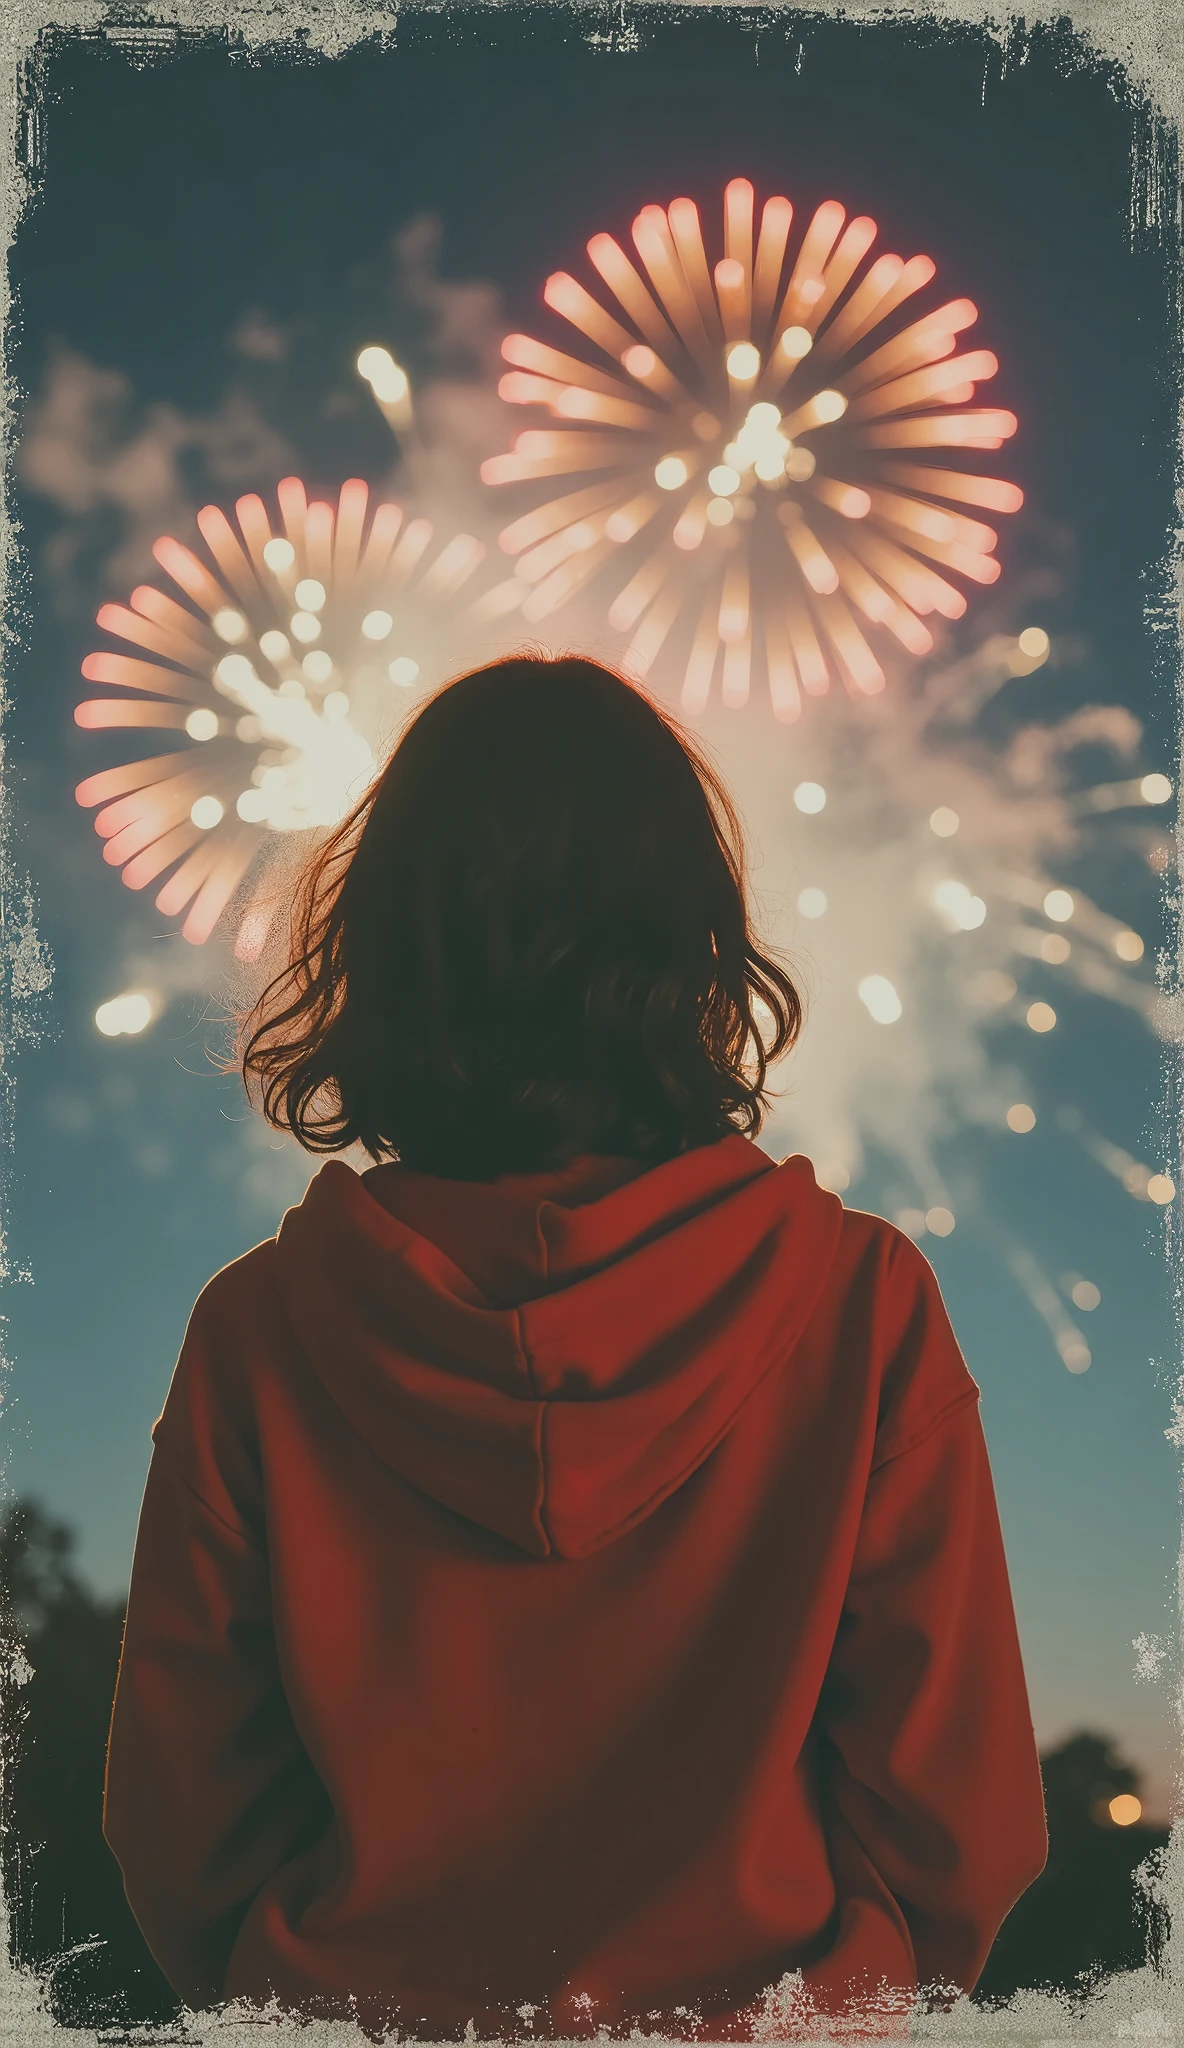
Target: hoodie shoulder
{"type": "Point", "coordinates": [923, 1377]}
{"type": "Point", "coordinates": [238, 1308]}
{"type": "Point", "coordinates": [207, 1429]}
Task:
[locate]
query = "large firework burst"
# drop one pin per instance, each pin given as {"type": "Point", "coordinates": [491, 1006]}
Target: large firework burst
{"type": "Point", "coordinates": [281, 662]}
{"type": "Point", "coordinates": [777, 489]}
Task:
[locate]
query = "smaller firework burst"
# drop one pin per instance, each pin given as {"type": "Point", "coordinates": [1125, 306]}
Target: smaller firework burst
{"type": "Point", "coordinates": [281, 664]}
{"type": "Point", "coordinates": [761, 485]}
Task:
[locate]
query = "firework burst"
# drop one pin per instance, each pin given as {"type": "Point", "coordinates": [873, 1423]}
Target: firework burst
{"type": "Point", "coordinates": [280, 663]}
{"type": "Point", "coordinates": [920, 879]}
{"type": "Point", "coordinates": [769, 450]}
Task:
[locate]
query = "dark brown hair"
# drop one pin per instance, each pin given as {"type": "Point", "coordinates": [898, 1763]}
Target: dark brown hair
{"type": "Point", "coordinates": [529, 940]}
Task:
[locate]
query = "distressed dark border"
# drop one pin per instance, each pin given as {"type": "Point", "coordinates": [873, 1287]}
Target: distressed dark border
{"type": "Point", "coordinates": [1141, 41]}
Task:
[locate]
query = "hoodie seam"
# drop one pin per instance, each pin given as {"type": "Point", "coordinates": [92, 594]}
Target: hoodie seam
{"type": "Point", "coordinates": [238, 1531]}
{"type": "Point", "coordinates": [540, 1434]}
{"type": "Point", "coordinates": [966, 1397]}
{"type": "Point", "coordinates": [524, 1354]}
{"type": "Point", "coordinates": [541, 1240]}
{"type": "Point", "coordinates": [541, 1441]}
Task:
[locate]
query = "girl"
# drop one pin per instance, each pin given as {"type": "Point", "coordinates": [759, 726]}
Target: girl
{"type": "Point", "coordinates": [569, 1590]}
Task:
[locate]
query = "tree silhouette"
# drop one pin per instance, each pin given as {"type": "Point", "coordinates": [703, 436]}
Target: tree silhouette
{"type": "Point", "coordinates": [1082, 1919]}
{"type": "Point", "coordinates": [68, 1917]}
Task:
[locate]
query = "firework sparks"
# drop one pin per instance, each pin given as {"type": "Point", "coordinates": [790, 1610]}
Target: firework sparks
{"type": "Point", "coordinates": [1074, 1351]}
{"type": "Point", "coordinates": [279, 666]}
{"type": "Point", "coordinates": [919, 891]}
{"type": "Point", "coordinates": [768, 447]}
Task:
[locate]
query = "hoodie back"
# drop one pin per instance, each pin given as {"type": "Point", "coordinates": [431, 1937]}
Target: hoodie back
{"type": "Point", "coordinates": [571, 1601]}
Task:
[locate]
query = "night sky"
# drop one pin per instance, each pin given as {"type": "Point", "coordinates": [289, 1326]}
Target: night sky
{"type": "Point", "coordinates": [211, 245]}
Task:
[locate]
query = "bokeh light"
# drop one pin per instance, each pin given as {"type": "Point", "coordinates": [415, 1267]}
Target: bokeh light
{"type": "Point", "coordinates": [880, 999]}
{"type": "Point", "coordinates": [389, 383]}
{"type": "Point", "coordinates": [127, 1014]}
{"type": "Point", "coordinates": [1124, 1809]}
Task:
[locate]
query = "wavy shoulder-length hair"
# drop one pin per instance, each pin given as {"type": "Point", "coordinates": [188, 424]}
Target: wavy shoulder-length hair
{"type": "Point", "coordinates": [530, 940]}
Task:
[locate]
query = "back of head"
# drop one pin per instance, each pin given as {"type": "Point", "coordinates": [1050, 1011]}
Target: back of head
{"type": "Point", "coordinates": [529, 941]}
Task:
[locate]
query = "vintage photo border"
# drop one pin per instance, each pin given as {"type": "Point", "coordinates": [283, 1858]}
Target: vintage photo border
{"type": "Point", "coordinates": [1144, 43]}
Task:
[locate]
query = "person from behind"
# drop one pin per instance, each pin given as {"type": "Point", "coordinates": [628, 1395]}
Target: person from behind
{"type": "Point", "coordinates": [569, 1590]}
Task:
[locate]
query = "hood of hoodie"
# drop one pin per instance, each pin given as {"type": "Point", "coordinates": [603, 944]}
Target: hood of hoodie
{"type": "Point", "coordinates": [553, 1355]}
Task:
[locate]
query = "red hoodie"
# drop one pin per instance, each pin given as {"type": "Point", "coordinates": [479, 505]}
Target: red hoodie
{"type": "Point", "coordinates": [581, 1593]}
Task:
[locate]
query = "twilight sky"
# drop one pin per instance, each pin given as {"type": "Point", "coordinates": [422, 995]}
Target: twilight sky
{"type": "Point", "coordinates": [213, 242]}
